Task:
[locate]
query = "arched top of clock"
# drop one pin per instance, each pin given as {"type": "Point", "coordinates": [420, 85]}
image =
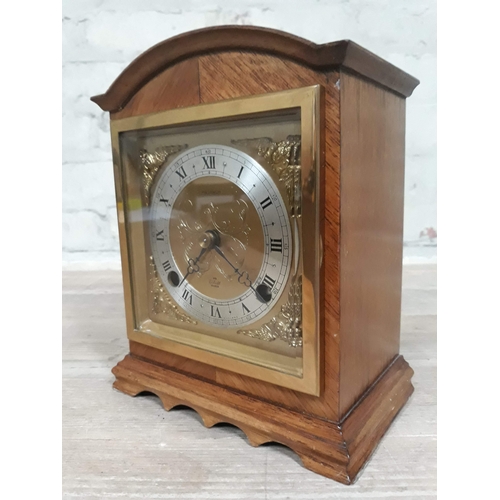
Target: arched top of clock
{"type": "Point", "coordinates": [342, 54]}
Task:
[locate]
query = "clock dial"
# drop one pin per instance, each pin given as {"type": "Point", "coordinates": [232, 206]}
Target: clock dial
{"type": "Point", "coordinates": [220, 236]}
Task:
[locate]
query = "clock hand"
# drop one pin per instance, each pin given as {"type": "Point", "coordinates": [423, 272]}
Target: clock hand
{"type": "Point", "coordinates": [246, 281]}
{"type": "Point", "coordinates": [192, 266]}
{"type": "Point", "coordinates": [210, 239]}
{"type": "Point", "coordinates": [263, 291]}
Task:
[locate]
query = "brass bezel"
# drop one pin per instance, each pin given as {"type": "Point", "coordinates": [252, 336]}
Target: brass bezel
{"type": "Point", "coordinates": [308, 99]}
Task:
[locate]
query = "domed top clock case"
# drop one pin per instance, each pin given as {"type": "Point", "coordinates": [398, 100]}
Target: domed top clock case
{"type": "Point", "coordinates": [259, 185]}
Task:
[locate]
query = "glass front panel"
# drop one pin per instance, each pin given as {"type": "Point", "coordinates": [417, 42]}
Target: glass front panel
{"type": "Point", "coordinates": [212, 224]}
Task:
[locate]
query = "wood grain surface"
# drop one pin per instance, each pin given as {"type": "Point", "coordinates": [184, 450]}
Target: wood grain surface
{"type": "Point", "coordinates": [115, 446]}
{"type": "Point", "coordinates": [335, 451]}
{"type": "Point", "coordinates": [330, 56]}
{"type": "Point", "coordinates": [176, 87]}
{"type": "Point", "coordinates": [372, 141]}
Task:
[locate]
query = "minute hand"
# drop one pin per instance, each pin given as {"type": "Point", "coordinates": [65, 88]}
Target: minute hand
{"type": "Point", "coordinates": [246, 281]}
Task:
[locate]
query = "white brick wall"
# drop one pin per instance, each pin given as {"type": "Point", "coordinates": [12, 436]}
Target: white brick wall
{"type": "Point", "coordinates": [100, 38]}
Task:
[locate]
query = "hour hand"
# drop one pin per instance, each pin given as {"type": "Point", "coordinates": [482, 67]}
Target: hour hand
{"type": "Point", "coordinates": [207, 242]}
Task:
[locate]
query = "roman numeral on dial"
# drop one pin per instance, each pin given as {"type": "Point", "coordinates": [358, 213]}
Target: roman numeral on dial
{"type": "Point", "coordinates": [164, 201]}
{"type": "Point", "coordinates": [209, 161]}
{"type": "Point", "coordinates": [215, 312]}
{"type": "Point", "coordinates": [245, 308]}
{"type": "Point", "coordinates": [159, 236]}
{"type": "Point", "coordinates": [181, 173]}
{"type": "Point", "coordinates": [277, 245]}
{"type": "Point", "coordinates": [167, 266]}
{"type": "Point", "coordinates": [188, 297]}
{"type": "Point", "coordinates": [266, 203]}
{"type": "Point", "coordinates": [268, 281]}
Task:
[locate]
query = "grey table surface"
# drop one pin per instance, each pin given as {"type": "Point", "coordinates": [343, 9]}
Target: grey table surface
{"type": "Point", "coordinates": [115, 446]}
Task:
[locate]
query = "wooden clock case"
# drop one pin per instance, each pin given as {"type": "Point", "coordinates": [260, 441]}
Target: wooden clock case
{"type": "Point", "coordinates": [365, 381]}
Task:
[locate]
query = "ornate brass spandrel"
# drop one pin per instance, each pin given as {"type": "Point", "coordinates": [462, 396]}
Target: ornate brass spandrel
{"type": "Point", "coordinates": [287, 325]}
{"type": "Point", "coordinates": [284, 159]}
{"type": "Point", "coordinates": [162, 302]}
{"type": "Point", "coordinates": [151, 163]}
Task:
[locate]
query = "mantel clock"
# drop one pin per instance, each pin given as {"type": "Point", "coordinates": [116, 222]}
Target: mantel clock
{"type": "Point", "coordinates": [259, 184]}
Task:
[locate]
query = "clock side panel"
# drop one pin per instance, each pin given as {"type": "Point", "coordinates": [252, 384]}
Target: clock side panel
{"type": "Point", "coordinates": [227, 75]}
{"type": "Point", "coordinates": [372, 178]}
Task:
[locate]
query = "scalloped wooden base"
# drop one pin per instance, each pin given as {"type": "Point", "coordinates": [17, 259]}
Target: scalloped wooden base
{"type": "Point", "coordinates": [335, 450]}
